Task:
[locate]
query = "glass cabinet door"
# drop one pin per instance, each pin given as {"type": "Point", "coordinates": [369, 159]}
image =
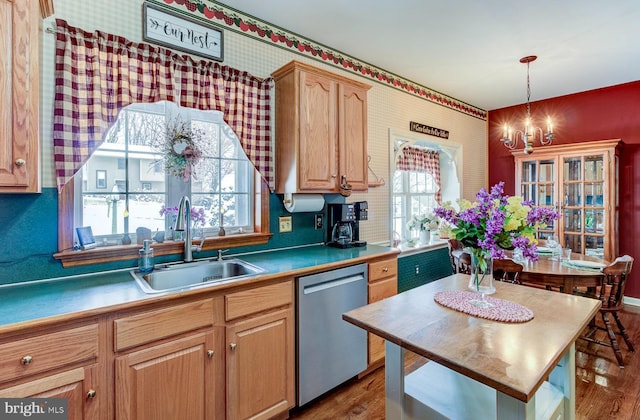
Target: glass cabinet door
{"type": "Point", "coordinates": [538, 184]}
{"type": "Point", "coordinates": [583, 209]}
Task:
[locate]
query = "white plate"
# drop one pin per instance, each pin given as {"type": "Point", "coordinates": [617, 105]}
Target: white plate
{"type": "Point", "coordinates": [544, 250]}
{"type": "Point", "coordinates": [587, 264]}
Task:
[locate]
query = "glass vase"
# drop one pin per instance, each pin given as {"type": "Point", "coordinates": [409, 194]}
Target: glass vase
{"type": "Point", "coordinates": [481, 278]}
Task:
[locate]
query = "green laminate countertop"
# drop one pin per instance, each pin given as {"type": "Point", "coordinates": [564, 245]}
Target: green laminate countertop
{"type": "Point", "coordinates": [47, 301]}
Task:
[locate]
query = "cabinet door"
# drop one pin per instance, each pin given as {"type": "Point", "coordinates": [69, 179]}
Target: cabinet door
{"type": "Point", "coordinates": [318, 166]}
{"type": "Point", "coordinates": [19, 89]}
{"type": "Point", "coordinates": [585, 207]}
{"type": "Point", "coordinates": [377, 291]}
{"type": "Point", "coordinates": [174, 380]}
{"type": "Point", "coordinates": [260, 366]}
{"type": "Point", "coordinates": [538, 181]}
{"type": "Point", "coordinates": [78, 386]}
{"type": "Point", "coordinates": [352, 148]}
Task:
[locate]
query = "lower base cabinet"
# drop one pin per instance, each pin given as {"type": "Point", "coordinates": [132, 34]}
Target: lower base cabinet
{"type": "Point", "coordinates": [76, 385]}
{"type": "Point", "coordinates": [174, 380]}
{"type": "Point", "coordinates": [259, 369]}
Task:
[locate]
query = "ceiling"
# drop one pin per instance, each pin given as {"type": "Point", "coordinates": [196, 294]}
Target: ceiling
{"type": "Point", "coordinates": [470, 49]}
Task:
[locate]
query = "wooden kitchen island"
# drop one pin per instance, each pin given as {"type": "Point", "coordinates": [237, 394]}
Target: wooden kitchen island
{"type": "Point", "coordinates": [478, 368]}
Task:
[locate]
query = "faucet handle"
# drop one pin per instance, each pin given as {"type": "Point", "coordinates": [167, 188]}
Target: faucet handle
{"type": "Point", "coordinates": [220, 252]}
{"type": "Point", "coordinates": [199, 247]}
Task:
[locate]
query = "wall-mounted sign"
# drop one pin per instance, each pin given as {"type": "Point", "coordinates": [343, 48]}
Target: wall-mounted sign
{"type": "Point", "coordinates": [425, 129]}
{"type": "Point", "coordinates": [162, 26]}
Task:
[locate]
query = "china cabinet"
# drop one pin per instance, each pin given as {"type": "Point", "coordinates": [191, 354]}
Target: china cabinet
{"type": "Point", "coordinates": [321, 131]}
{"type": "Point", "coordinates": [580, 180]}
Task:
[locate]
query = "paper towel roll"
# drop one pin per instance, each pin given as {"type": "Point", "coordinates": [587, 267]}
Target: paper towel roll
{"type": "Point", "coordinates": [300, 203]}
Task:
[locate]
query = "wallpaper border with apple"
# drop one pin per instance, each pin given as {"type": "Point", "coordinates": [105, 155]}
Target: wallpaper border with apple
{"type": "Point", "coordinates": [251, 26]}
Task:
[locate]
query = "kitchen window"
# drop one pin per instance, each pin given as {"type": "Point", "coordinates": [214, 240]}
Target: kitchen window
{"type": "Point", "coordinates": [224, 188]}
{"type": "Point", "coordinates": [220, 186]}
{"type": "Point", "coordinates": [416, 192]}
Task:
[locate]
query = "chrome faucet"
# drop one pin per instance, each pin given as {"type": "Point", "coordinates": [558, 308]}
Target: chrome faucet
{"type": "Point", "coordinates": [183, 223]}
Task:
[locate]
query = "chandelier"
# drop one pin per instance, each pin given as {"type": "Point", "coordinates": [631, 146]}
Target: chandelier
{"type": "Point", "coordinates": [530, 133]}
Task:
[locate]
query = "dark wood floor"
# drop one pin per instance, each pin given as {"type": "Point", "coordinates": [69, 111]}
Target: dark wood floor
{"type": "Point", "coordinates": [603, 390]}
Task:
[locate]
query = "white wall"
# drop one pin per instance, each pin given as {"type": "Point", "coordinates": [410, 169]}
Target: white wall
{"type": "Point", "coordinates": [389, 108]}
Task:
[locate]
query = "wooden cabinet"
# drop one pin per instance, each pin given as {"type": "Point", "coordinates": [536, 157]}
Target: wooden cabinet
{"type": "Point", "coordinates": [580, 180]}
{"type": "Point", "coordinates": [383, 283]}
{"type": "Point", "coordinates": [260, 352]}
{"type": "Point", "coordinates": [60, 364]}
{"type": "Point", "coordinates": [174, 380]}
{"type": "Point", "coordinates": [321, 131]}
{"type": "Point", "coordinates": [19, 88]}
{"type": "Point", "coordinates": [174, 374]}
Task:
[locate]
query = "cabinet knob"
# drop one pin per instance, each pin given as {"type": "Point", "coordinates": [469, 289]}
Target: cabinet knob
{"type": "Point", "coordinates": [210, 353]}
{"type": "Point", "coordinates": [20, 162]}
{"type": "Point", "coordinates": [26, 360]}
{"type": "Point", "coordinates": [386, 269]}
{"type": "Point", "coordinates": [91, 394]}
{"type": "Point", "coordinates": [233, 346]}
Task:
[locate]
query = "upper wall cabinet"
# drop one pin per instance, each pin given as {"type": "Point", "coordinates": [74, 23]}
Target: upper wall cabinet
{"type": "Point", "coordinates": [19, 94]}
{"type": "Point", "coordinates": [321, 131]}
{"type": "Point", "coordinates": [580, 180]}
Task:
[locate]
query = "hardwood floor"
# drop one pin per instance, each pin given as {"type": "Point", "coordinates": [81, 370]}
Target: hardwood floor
{"type": "Point", "coordinates": [603, 390]}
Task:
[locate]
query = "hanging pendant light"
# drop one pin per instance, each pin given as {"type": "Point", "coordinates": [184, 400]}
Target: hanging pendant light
{"type": "Point", "coordinates": [530, 133]}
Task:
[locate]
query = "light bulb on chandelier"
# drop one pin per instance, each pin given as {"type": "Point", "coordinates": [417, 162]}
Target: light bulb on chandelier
{"type": "Point", "coordinates": [530, 133]}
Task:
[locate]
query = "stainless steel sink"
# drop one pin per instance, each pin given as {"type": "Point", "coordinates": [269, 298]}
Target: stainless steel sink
{"type": "Point", "coordinates": [170, 277]}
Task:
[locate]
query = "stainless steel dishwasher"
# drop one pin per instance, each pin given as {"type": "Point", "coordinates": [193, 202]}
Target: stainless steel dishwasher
{"type": "Point", "coordinates": [329, 349]}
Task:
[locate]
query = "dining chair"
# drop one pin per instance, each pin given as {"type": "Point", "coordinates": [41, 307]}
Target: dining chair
{"type": "Point", "coordinates": [505, 269]}
{"type": "Point", "coordinates": [611, 294]}
{"type": "Point", "coordinates": [455, 249]}
{"type": "Point", "coordinates": [463, 263]}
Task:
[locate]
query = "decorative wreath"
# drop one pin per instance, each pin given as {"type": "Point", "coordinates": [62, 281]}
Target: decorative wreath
{"type": "Point", "coordinates": [181, 148]}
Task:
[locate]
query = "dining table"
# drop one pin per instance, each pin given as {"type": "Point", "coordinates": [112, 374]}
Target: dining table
{"type": "Point", "coordinates": [478, 366]}
{"type": "Point", "coordinates": [562, 274]}
{"type": "Point", "coordinates": [556, 272]}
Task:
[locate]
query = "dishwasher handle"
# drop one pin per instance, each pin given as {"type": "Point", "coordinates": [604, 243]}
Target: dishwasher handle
{"type": "Point", "coordinates": [318, 287]}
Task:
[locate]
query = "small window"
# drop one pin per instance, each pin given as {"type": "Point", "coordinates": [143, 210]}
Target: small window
{"type": "Point", "coordinates": [414, 193]}
{"type": "Point", "coordinates": [101, 179]}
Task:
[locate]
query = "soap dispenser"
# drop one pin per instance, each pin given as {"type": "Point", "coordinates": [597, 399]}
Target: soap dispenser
{"type": "Point", "coordinates": [145, 257]}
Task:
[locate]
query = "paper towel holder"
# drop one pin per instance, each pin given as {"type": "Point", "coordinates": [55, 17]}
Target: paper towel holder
{"type": "Point", "coordinates": [313, 202]}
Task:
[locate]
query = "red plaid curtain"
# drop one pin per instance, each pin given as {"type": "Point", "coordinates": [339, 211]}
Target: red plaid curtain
{"type": "Point", "coordinates": [418, 159]}
{"type": "Point", "coordinates": [98, 74]}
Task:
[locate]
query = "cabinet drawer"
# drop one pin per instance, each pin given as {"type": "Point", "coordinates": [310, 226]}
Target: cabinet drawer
{"type": "Point", "coordinates": [383, 289]}
{"type": "Point", "coordinates": [48, 351]}
{"type": "Point", "coordinates": [382, 269]}
{"type": "Point", "coordinates": [259, 299]}
{"type": "Point", "coordinates": [154, 325]}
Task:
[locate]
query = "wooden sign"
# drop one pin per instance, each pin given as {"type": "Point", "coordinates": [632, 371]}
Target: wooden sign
{"type": "Point", "coordinates": [163, 27]}
{"type": "Point", "coordinates": [425, 129]}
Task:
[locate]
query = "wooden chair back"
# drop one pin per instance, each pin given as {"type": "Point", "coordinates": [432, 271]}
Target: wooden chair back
{"type": "Point", "coordinates": [614, 281]}
{"type": "Point", "coordinates": [464, 263]}
{"type": "Point", "coordinates": [505, 269]}
{"type": "Point", "coordinates": [455, 248]}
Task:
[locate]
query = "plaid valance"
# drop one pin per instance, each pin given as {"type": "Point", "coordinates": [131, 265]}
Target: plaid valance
{"type": "Point", "coordinates": [97, 74]}
{"type": "Point", "coordinates": [418, 159]}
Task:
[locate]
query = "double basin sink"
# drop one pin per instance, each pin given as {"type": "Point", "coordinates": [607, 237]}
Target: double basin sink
{"type": "Point", "coordinates": [181, 276]}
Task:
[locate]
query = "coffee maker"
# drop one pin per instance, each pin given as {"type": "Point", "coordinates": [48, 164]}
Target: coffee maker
{"type": "Point", "coordinates": [344, 220]}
